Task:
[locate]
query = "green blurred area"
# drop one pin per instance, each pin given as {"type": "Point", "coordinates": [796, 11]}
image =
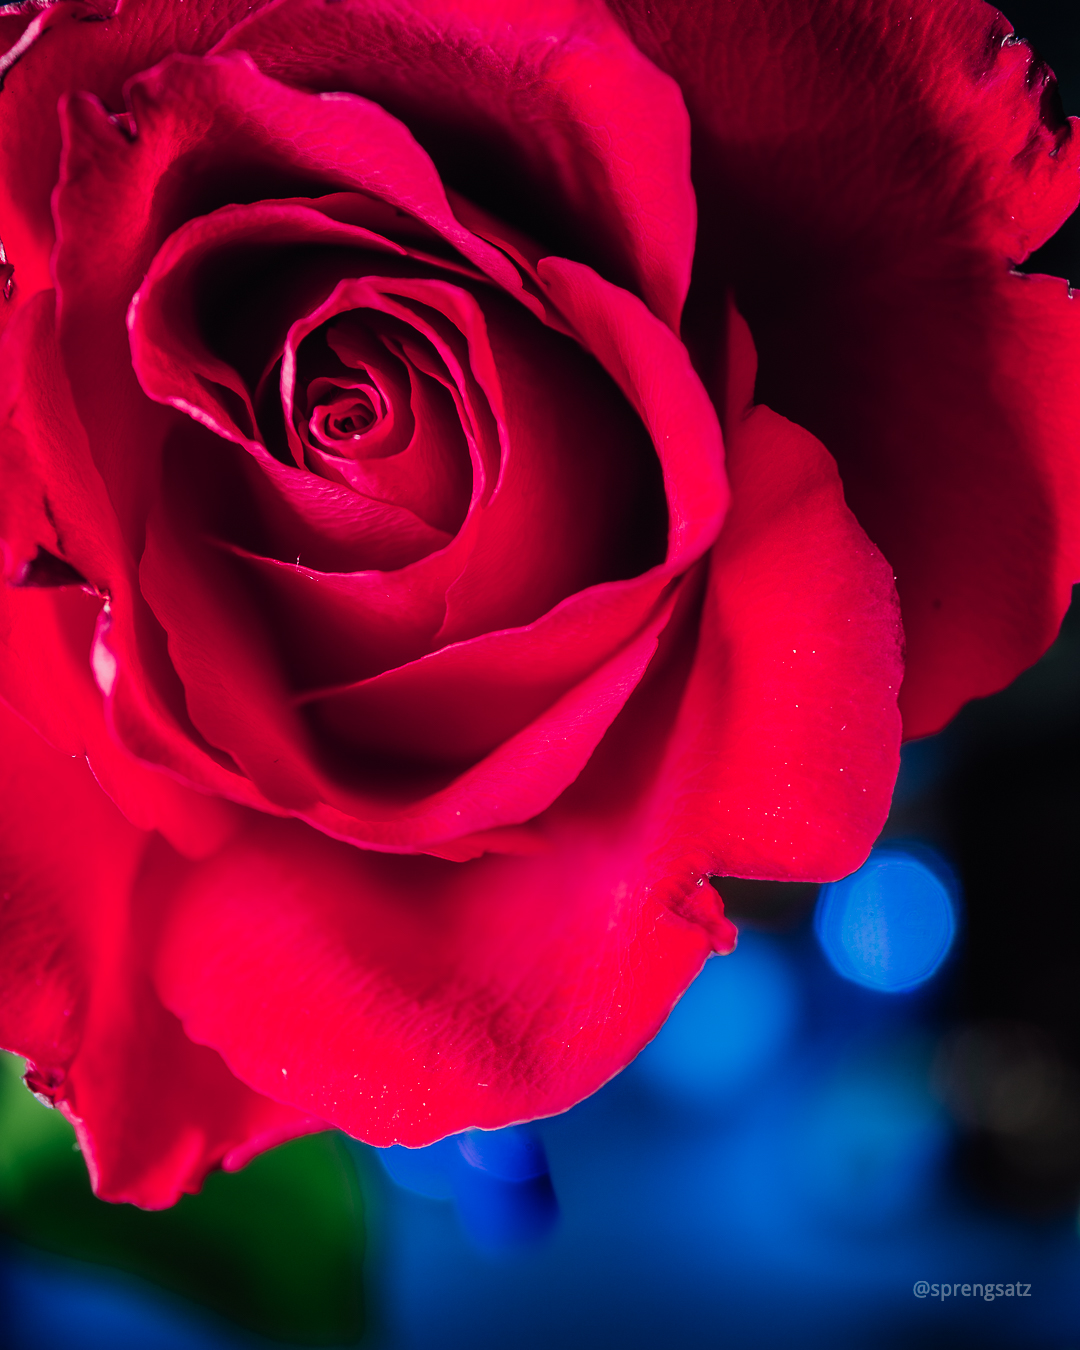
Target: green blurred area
{"type": "Point", "coordinates": [277, 1247]}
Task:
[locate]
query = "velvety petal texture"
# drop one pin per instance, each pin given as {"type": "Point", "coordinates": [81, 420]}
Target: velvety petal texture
{"type": "Point", "coordinates": [565, 462]}
{"type": "Point", "coordinates": [867, 177]}
{"type": "Point", "coordinates": [587, 141]}
{"type": "Point", "coordinates": [446, 969]}
{"type": "Point", "coordinates": [414, 587]}
{"type": "Point", "coordinates": [62, 48]}
{"type": "Point", "coordinates": [82, 894]}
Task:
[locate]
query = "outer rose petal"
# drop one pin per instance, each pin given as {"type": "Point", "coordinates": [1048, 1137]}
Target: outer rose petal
{"type": "Point", "coordinates": [81, 887]}
{"type": "Point", "coordinates": [74, 50]}
{"type": "Point", "coordinates": [798, 666]}
{"type": "Point", "coordinates": [46, 639]}
{"type": "Point", "coordinates": [542, 101]}
{"type": "Point", "coordinates": [405, 998]}
{"type": "Point", "coordinates": [876, 285]}
{"type": "Point", "coordinates": [54, 499]}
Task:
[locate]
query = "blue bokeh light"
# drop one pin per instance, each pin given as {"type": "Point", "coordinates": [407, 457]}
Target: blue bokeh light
{"type": "Point", "coordinates": [891, 924]}
{"type": "Point", "coordinates": [869, 1138]}
{"type": "Point", "coordinates": [728, 1028]}
{"type": "Point", "coordinates": [429, 1172]}
{"type": "Point", "coordinates": [513, 1154]}
{"type": "Point", "coordinates": [498, 1180]}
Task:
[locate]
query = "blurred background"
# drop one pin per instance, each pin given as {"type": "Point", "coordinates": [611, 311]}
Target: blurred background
{"type": "Point", "coordinates": [880, 1087]}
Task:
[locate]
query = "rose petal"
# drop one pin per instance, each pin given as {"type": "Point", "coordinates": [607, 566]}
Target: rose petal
{"type": "Point", "coordinates": [429, 471]}
{"type": "Point", "coordinates": [798, 666]}
{"type": "Point", "coordinates": [76, 50]}
{"type": "Point", "coordinates": [337, 627]}
{"type": "Point", "coordinates": [440, 331]}
{"type": "Point", "coordinates": [435, 996]}
{"type": "Point", "coordinates": [866, 174]}
{"type": "Point", "coordinates": [422, 997]}
{"type": "Point", "coordinates": [54, 497]}
{"type": "Point", "coordinates": [543, 105]}
{"type": "Point", "coordinates": [175, 366]}
{"type": "Point", "coordinates": [654, 372]}
{"type": "Point", "coordinates": [578, 501]}
{"type": "Point", "coordinates": [232, 133]}
{"type": "Point", "coordinates": [46, 638]}
{"type": "Point", "coordinates": [972, 489]}
{"type": "Point", "coordinates": [460, 703]}
{"type": "Point", "coordinates": [152, 1112]}
{"type": "Point", "coordinates": [171, 353]}
{"type": "Point", "coordinates": [238, 698]}
{"type": "Point", "coordinates": [143, 708]}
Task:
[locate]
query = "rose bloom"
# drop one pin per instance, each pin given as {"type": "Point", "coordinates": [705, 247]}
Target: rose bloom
{"type": "Point", "coordinates": [459, 463]}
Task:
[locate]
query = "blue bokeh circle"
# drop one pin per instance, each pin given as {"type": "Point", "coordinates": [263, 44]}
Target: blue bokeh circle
{"type": "Point", "coordinates": [891, 924]}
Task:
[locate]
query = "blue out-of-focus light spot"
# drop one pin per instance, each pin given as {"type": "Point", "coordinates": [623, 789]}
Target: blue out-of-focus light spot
{"type": "Point", "coordinates": [498, 1180]}
{"type": "Point", "coordinates": [424, 1171]}
{"type": "Point", "coordinates": [510, 1155]}
{"type": "Point", "coordinates": [728, 1027]}
{"type": "Point", "coordinates": [500, 1215]}
{"type": "Point", "coordinates": [869, 1142]}
{"type": "Point", "coordinates": [889, 925]}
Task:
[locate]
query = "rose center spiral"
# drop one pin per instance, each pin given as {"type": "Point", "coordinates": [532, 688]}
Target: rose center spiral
{"type": "Point", "coordinates": [341, 416]}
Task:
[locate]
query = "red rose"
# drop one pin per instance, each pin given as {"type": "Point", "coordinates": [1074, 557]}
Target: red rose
{"type": "Point", "coordinates": [371, 536]}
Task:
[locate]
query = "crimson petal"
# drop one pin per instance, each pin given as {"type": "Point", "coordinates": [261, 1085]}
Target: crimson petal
{"type": "Point", "coordinates": [866, 176]}
{"type": "Point", "coordinates": [72, 49]}
{"type": "Point", "coordinates": [546, 96]}
{"type": "Point", "coordinates": [48, 640]}
{"type": "Point", "coordinates": [152, 1112]}
{"type": "Point", "coordinates": [420, 997]}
